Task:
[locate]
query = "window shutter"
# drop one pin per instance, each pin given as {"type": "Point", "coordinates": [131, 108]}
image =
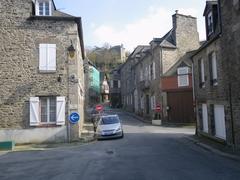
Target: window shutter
{"type": "Point", "coordinates": [210, 60]}
{"type": "Point", "coordinates": [50, 8]}
{"type": "Point", "coordinates": [111, 83]}
{"type": "Point", "coordinates": [154, 71]}
{"type": "Point", "coordinates": [60, 110]}
{"type": "Point", "coordinates": [149, 72]}
{"type": "Point", "coordinates": [51, 61]}
{"type": "Point", "coordinates": [214, 66]}
{"type": "Point", "coordinates": [37, 8]}
{"type": "Point", "coordinates": [34, 111]}
{"type": "Point", "coordinates": [119, 84]}
{"type": "Point", "coordinates": [43, 57]}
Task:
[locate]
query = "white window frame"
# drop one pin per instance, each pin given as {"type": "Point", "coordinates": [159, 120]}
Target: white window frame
{"type": "Point", "coordinates": [48, 112]}
{"type": "Point", "coordinates": [183, 80]}
{"type": "Point", "coordinates": [183, 77]}
{"type": "Point", "coordinates": [210, 22]}
{"type": "Point", "coordinates": [37, 7]}
{"type": "Point", "coordinates": [35, 111]}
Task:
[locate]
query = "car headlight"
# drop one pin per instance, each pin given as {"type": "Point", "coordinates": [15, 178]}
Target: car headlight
{"type": "Point", "coordinates": [118, 129]}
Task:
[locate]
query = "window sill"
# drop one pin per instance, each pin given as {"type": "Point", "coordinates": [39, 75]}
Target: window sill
{"type": "Point", "coordinates": [48, 125]}
{"type": "Point", "coordinates": [47, 71]}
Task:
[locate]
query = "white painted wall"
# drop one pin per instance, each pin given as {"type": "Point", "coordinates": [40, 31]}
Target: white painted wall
{"type": "Point", "coordinates": [36, 135]}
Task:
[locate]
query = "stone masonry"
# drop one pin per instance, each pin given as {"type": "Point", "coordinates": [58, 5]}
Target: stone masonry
{"type": "Point", "coordinates": [20, 79]}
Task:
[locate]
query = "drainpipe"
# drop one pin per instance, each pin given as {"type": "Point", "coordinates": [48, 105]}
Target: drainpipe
{"type": "Point", "coordinates": [194, 97]}
{"type": "Point", "coordinates": [231, 113]}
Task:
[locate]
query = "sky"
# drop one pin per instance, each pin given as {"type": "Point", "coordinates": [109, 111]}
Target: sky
{"type": "Point", "coordinates": [129, 22]}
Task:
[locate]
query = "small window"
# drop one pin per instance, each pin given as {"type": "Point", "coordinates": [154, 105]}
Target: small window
{"type": "Point", "coordinates": [183, 79]}
{"type": "Point", "coordinates": [43, 8]}
{"type": "Point", "coordinates": [115, 84]}
{"type": "Point", "coordinates": [48, 109]}
{"type": "Point", "coordinates": [210, 23]}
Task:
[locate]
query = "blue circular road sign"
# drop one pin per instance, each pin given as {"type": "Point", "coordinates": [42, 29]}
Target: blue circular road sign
{"type": "Point", "coordinates": [74, 117]}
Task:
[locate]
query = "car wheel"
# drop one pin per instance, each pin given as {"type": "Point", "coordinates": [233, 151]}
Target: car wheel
{"type": "Point", "coordinates": [122, 135]}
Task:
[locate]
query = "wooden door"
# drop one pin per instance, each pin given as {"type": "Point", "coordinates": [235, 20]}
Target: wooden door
{"type": "Point", "coordinates": [180, 107]}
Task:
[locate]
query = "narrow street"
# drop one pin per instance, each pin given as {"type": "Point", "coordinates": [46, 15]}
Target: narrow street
{"type": "Point", "coordinates": [145, 153]}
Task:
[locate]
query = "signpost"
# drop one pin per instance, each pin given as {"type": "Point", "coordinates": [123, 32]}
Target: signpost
{"type": "Point", "coordinates": [99, 108]}
{"type": "Point", "coordinates": [74, 117]}
{"type": "Point", "coordinates": [158, 108]}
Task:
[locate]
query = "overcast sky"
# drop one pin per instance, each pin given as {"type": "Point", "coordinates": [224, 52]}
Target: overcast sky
{"type": "Point", "coordinates": [129, 22]}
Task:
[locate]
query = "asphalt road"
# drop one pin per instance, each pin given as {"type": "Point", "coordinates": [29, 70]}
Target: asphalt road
{"type": "Point", "coordinates": [145, 153]}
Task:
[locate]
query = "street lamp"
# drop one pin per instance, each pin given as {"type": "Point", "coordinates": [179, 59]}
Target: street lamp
{"type": "Point", "coordinates": [71, 50]}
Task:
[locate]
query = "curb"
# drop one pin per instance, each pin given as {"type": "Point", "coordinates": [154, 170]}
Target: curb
{"type": "Point", "coordinates": [42, 147]}
{"type": "Point", "coordinates": [138, 117]}
{"type": "Point", "coordinates": [214, 150]}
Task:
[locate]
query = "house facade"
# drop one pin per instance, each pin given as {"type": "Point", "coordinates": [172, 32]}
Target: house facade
{"type": "Point", "coordinates": [41, 78]}
{"type": "Point", "coordinates": [212, 101]}
{"type": "Point", "coordinates": [115, 88]}
{"type": "Point", "coordinates": [230, 55]}
{"type": "Point", "coordinates": [92, 84]}
{"type": "Point", "coordinates": [143, 73]}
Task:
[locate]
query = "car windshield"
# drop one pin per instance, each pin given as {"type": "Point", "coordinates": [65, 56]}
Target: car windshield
{"type": "Point", "coordinates": [110, 120]}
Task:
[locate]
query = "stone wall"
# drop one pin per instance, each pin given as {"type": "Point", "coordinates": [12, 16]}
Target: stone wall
{"type": "Point", "coordinates": [230, 45]}
{"type": "Point", "coordinates": [20, 78]}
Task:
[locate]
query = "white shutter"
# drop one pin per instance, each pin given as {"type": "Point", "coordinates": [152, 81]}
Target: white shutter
{"type": "Point", "coordinates": [119, 84]}
{"type": "Point", "coordinates": [36, 8]}
{"type": "Point", "coordinates": [50, 8]}
{"type": "Point", "coordinates": [111, 83]}
{"type": "Point", "coordinates": [51, 61]}
{"type": "Point", "coordinates": [219, 116]}
{"type": "Point", "coordinates": [154, 71]}
{"type": "Point", "coordinates": [205, 118]}
{"type": "Point", "coordinates": [149, 72]}
{"type": "Point", "coordinates": [202, 71]}
{"type": "Point", "coordinates": [60, 111]}
{"type": "Point", "coordinates": [214, 66]}
{"type": "Point", "coordinates": [34, 111]}
{"type": "Point", "coordinates": [43, 57]}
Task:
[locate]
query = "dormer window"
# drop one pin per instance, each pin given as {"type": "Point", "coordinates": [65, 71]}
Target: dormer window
{"type": "Point", "coordinates": [210, 23]}
{"type": "Point", "coordinates": [43, 8]}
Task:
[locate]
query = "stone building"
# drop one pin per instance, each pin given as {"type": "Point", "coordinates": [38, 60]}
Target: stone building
{"type": "Point", "coordinates": [115, 88]}
{"type": "Point", "coordinates": [230, 55]}
{"type": "Point", "coordinates": [92, 84]}
{"type": "Point", "coordinates": [145, 69]}
{"type": "Point", "coordinates": [209, 80]}
{"type": "Point", "coordinates": [41, 77]}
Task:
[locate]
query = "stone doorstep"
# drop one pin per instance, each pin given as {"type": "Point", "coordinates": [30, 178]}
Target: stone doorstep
{"type": "Point", "coordinates": [215, 147]}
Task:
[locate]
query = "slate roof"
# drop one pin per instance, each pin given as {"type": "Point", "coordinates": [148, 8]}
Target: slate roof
{"type": "Point", "coordinates": [167, 41]}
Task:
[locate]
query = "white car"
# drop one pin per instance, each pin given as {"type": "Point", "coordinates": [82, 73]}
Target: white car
{"type": "Point", "coordinates": [109, 126]}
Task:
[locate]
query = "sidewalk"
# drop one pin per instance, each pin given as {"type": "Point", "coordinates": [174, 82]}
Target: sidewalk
{"type": "Point", "coordinates": [215, 147]}
{"type": "Point", "coordinates": [41, 147]}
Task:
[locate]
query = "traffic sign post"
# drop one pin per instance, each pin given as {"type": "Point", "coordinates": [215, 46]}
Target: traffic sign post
{"type": "Point", "coordinates": [158, 108]}
{"type": "Point", "coordinates": [74, 117]}
{"type": "Point", "coordinates": [99, 107]}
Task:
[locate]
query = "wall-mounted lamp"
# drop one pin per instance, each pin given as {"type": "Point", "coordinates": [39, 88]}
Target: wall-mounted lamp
{"type": "Point", "coordinates": [59, 78]}
{"type": "Point", "coordinates": [71, 50]}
